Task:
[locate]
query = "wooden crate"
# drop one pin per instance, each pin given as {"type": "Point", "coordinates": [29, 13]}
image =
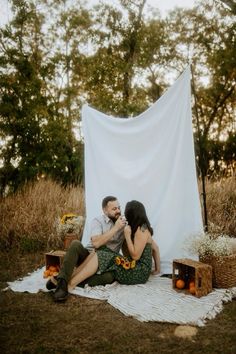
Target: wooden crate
{"type": "Point", "coordinates": [190, 270]}
{"type": "Point", "coordinates": [54, 258]}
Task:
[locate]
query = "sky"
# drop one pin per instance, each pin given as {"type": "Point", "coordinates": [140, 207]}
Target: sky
{"type": "Point", "coordinates": [163, 5]}
{"type": "Point", "coordinates": [166, 5]}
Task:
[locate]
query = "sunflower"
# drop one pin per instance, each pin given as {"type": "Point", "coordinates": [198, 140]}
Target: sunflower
{"type": "Point", "coordinates": [118, 260]}
{"type": "Point", "coordinates": [126, 265]}
{"type": "Point", "coordinates": [67, 217]}
{"type": "Point", "coordinates": [122, 261]}
{"type": "Point", "coordinates": [132, 264]}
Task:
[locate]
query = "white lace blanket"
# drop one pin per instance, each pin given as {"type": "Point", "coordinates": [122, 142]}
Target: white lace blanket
{"type": "Point", "coordinates": [153, 301]}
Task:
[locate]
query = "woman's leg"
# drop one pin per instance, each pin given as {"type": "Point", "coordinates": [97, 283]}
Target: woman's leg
{"type": "Point", "coordinates": [82, 265]}
{"type": "Point", "coordinates": [84, 271]}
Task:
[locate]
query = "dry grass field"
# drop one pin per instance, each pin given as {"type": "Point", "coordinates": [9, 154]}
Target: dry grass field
{"type": "Point", "coordinates": [33, 323]}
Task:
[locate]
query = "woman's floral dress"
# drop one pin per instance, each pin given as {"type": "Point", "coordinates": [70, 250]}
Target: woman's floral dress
{"type": "Point", "coordinates": [127, 271]}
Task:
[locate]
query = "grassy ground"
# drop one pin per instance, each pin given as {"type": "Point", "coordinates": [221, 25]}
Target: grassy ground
{"type": "Point", "coordinates": [33, 323]}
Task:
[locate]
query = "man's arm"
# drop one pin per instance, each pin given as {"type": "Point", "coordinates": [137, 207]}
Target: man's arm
{"type": "Point", "coordinates": [102, 239]}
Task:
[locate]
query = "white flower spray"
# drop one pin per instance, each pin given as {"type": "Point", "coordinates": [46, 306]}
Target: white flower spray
{"type": "Point", "coordinates": [209, 245]}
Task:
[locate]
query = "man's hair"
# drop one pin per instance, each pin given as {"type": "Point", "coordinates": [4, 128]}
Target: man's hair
{"type": "Point", "coordinates": [108, 199]}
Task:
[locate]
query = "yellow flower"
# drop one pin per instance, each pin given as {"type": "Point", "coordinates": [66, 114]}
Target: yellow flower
{"type": "Point", "coordinates": [126, 265]}
{"type": "Point", "coordinates": [67, 217]}
{"type": "Point", "coordinates": [118, 260]}
{"type": "Point", "coordinates": [122, 261]}
{"type": "Point", "coordinates": [132, 264]}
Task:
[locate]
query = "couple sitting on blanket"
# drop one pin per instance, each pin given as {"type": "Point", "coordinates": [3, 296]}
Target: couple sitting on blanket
{"type": "Point", "coordinates": [100, 262]}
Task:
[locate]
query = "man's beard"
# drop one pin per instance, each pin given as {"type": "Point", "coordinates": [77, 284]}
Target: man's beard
{"type": "Point", "coordinates": [112, 218]}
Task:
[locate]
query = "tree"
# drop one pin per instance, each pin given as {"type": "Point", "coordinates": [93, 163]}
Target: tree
{"type": "Point", "coordinates": [68, 34]}
{"type": "Point", "coordinates": [22, 102]}
{"type": "Point", "coordinates": [112, 67]}
{"type": "Point", "coordinates": [56, 55]}
{"type": "Point", "coordinates": [37, 139]}
{"type": "Point", "coordinates": [210, 36]}
{"type": "Point", "coordinates": [231, 4]}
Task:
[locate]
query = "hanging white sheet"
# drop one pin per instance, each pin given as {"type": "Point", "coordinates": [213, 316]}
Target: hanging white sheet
{"type": "Point", "coordinates": [149, 158]}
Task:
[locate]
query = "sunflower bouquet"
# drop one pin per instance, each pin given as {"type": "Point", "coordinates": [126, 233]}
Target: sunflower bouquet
{"type": "Point", "coordinates": [70, 224]}
{"type": "Point", "coordinates": [125, 263]}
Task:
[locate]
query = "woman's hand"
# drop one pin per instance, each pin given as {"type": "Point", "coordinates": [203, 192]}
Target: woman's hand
{"type": "Point", "coordinates": [156, 257]}
{"type": "Point", "coordinates": [155, 272]}
{"type": "Point", "coordinates": [127, 232]}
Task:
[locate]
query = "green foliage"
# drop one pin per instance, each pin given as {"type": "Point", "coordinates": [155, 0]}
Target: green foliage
{"type": "Point", "coordinates": [38, 137]}
{"type": "Point", "coordinates": [210, 38]}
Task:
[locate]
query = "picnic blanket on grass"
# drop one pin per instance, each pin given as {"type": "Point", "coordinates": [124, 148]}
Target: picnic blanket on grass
{"type": "Point", "coordinates": [153, 301]}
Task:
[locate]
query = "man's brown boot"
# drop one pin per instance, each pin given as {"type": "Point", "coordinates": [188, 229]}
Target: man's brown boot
{"type": "Point", "coordinates": [61, 292]}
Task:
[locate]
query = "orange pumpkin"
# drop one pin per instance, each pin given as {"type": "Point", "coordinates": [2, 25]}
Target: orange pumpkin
{"type": "Point", "coordinates": [53, 268]}
{"type": "Point", "coordinates": [180, 284]}
{"type": "Point", "coordinates": [191, 284]}
{"type": "Point", "coordinates": [192, 290]}
{"type": "Point", "coordinates": [46, 273]}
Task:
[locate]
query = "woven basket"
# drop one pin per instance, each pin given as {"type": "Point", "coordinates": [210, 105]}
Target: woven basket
{"type": "Point", "coordinates": [223, 270]}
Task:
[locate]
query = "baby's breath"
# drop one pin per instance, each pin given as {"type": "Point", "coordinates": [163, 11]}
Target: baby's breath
{"type": "Point", "coordinates": [207, 245]}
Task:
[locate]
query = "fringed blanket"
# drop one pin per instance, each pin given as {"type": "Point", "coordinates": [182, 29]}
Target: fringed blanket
{"type": "Point", "coordinates": [153, 301]}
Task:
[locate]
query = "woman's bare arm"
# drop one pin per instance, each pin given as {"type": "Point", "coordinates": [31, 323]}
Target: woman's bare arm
{"type": "Point", "coordinates": [136, 246]}
{"type": "Point", "coordinates": [156, 257]}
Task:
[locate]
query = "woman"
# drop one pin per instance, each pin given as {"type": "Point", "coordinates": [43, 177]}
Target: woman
{"type": "Point", "coordinates": [134, 269]}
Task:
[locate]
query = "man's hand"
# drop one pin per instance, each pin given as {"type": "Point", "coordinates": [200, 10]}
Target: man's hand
{"type": "Point", "coordinates": [120, 223]}
{"type": "Point", "coordinates": [100, 240]}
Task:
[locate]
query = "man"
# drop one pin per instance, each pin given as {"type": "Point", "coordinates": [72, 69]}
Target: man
{"type": "Point", "coordinates": [106, 229]}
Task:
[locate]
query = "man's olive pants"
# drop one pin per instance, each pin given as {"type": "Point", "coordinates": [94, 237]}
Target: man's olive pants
{"type": "Point", "coordinates": [74, 256]}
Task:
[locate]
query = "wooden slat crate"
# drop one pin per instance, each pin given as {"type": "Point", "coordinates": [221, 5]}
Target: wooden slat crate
{"type": "Point", "coordinates": [190, 270]}
{"type": "Point", "coordinates": [54, 258]}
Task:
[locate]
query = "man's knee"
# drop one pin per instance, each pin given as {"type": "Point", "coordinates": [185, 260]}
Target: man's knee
{"type": "Point", "coordinates": [76, 245]}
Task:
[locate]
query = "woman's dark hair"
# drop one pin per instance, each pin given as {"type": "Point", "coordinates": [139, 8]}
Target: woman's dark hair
{"type": "Point", "coordinates": [136, 216]}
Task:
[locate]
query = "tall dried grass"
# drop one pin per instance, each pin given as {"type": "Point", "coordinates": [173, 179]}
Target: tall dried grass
{"type": "Point", "coordinates": [221, 206]}
{"type": "Point", "coordinates": [27, 219]}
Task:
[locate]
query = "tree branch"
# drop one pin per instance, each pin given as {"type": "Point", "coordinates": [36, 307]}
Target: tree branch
{"type": "Point", "coordinates": [231, 4]}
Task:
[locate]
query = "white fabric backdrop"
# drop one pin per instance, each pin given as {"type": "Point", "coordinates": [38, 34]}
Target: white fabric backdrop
{"type": "Point", "coordinates": [149, 158]}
